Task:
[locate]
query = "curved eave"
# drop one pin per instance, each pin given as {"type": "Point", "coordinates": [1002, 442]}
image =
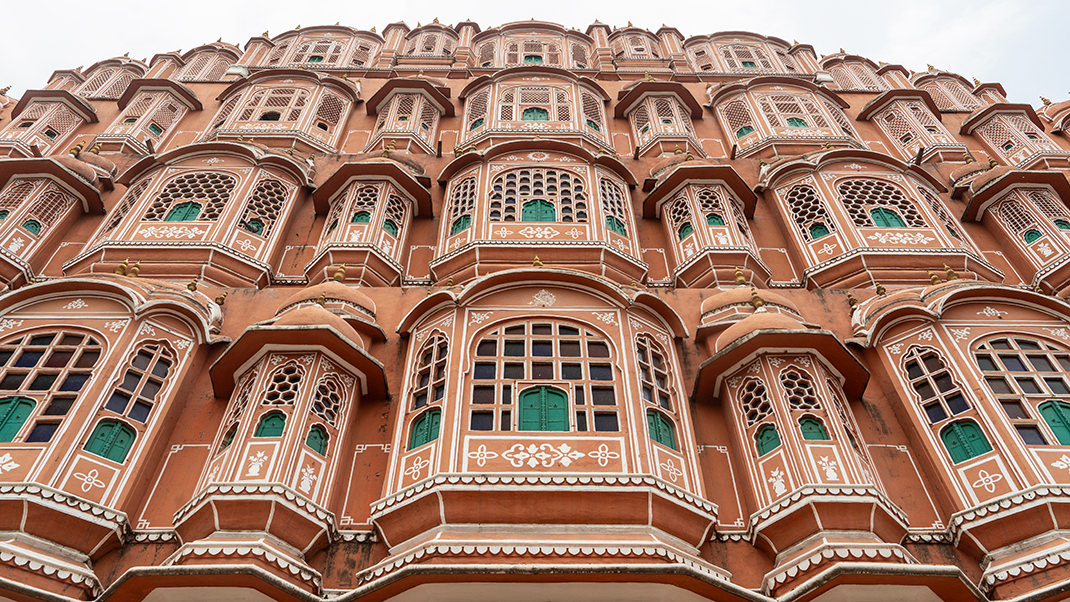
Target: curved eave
{"type": "Point", "coordinates": [438, 95]}
{"type": "Point", "coordinates": [980, 116]}
{"type": "Point", "coordinates": [757, 37]}
{"type": "Point", "coordinates": [174, 56]}
{"type": "Point", "coordinates": [775, 340]}
{"type": "Point", "coordinates": [816, 162]}
{"type": "Point", "coordinates": [846, 58]}
{"type": "Point", "coordinates": [540, 27]}
{"type": "Point", "coordinates": [998, 87]}
{"type": "Point", "coordinates": [217, 47]}
{"type": "Point", "coordinates": [259, 338]}
{"type": "Point", "coordinates": [627, 98]}
{"type": "Point", "coordinates": [665, 311]}
{"type": "Point", "coordinates": [980, 200]}
{"type": "Point", "coordinates": [344, 86]}
{"type": "Point", "coordinates": [47, 166]}
{"type": "Point", "coordinates": [882, 100]}
{"type": "Point", "coordinates": [184, 94]}
{"type": "Point", "coordinates": [425, 307]}
{"type": "Point", "coordinates": [519, 70]}
{"type": "Point", "coordinates": [926, 76]}
{"type": "Point", "coordinates": [776, 80]}
{"type": "Point", "coordinates": [383, 169]}
{"type": "Point", "coordinates": [79, 105]}
{"type": "Point", "coordinates": [120, 62]}
{"type": "Point", "coordinates": [894, 67]}
{"type": "Point", "coordinates": [236, 149]}
{"type": "Point", "coordinates": [608, 161]}
{"type": "Point", "coordinates": [342, 29]}
{"type": "Point", "coordinates": [684, 173]}
{"type": "Point", "coordinates": [436, 27]}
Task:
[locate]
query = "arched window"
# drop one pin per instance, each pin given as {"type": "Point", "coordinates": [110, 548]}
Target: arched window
{"type": "Point", "coordinates": [486, 55]}
{"type": "Point", "coordinates": [328, 52]}
{"type": "Point", "coordinates": [205, 66]}
{"type": "Point", "coordinates": [940, 211]}
{"type": "Point", "coordinates": [767, 439]}
{"type": "Point", "coordinates": [543, 409]}
{"type": "Point", "coordinates": [1025, 374]}
{"type": "Point", "coordinates": [535, 114]}
{"type": "Point", "coordinates": [394, 215]}
{"type": "Point", "coordinates": [111, 439]}
{"type": "Point", "coordinates": [512, 355]}
{"type": "Point", "coordinates": [592, 111]}
{"type": "Point", "coordinates": [48, 368]}
{"type": "Point", "coordinates": [317, 439]}
{"type": "Point", "coordinates": [951, 95]}
{"type": "Point", "coordinates": [32, 226]}
{"type": "Point", "coordinates": [361, 217]}
{"type": "Point", "coordinates": [14, 411]}
{"type": "Point", "coordinates": [537, 211]}
{"type": "Point", "coordinates": [744, 57]}
{"type": "Point", "coordinates": [430, 377]}
{"type": "Point", "coordinates": [272, 424]}
{"type": "Point", "coordinates": [964, 440]}
{"type": "Point", "coordinates": [685, 230]}
{"type": "Point", "coordinates": [228, 437]}
{"type": "Point", "coordinates": [754, 402]}
{"type": "Point", "coordinates": [809, 212]}
{"type": "Point", "coordinates": [284, 386]}
{"type": "Point", "coordinates": [532, 52]}
{"type": "Point", "coordinates": [660, 429]}
{"type": "Point", "coordinates": [425, 428]}
{"type": "Point", "coordinates": [476, 110]}
{"type": "Point", "coordinates": [275, 104]}
{"type": "Point", "coordinates": [327, 402]}
{"type": "Point", "coordinates": [512, 190]}
{"type": "Point", "coordinates": [653, 374]}
{"type": "Point", "coordinates": [877, 203]}
{"type": "Point", "coordinates": [812, 429]}
{"type": "Point", "coordinates": [1018, 220]}
{"type": "Point", "coordinates": [237, 407]}
{"type": "Point", "coordinates": [208, 191]}
{"type": "Point", "coordinates": [1031, 235]}
{"type": "Point", "coordinates": [145, 376]}
{"type": "Point", "coordinates": [792, 111]}
{"type": "Point", "coordinates": [535, 103]}
{"type": "Point", "coordinates": [462, 204]}
{"type": "Point", "coordinates": [936, 390]}
{"type": "Point", "coordinates": [1056, 414]}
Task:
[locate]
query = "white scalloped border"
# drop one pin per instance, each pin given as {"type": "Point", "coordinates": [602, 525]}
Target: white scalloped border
{"type": "Point", "coordinates": [288, 564]}
{"type": "Point", "coordinates": [833, 552]}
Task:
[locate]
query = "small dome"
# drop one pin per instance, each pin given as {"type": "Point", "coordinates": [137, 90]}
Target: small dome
{"type": "Point", "coordinates": [314, 315]}
{"type": "Point", "coordinates": [333, 291]}
{"type": "Point", "coordinates": [105, 165]}
{"type": "Point", "coordinates": [81, 168]}
{"type": "Point", "coordinates": [742, 295]}
{"type": "Point", "coordinates": [991, 175]}
{"type": "Point", "coordinates": [968, 169]}
{"type": "Point", "coordinates": [754, 322]}
{"type": "Point", "coordinates": [1056, 108]}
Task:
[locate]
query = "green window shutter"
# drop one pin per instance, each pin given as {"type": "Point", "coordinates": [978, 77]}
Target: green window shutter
{"type": "Point", "coordinates": [13, 414]}
{"type": "Point", "coordinates": [390, 227]}
{"type": "Point", "coordinates": [1031, 235]}
{"type": "Point", "coordinates": [685, 230]}
{"type": "Point", "coordinates": [795, 122]}
{"type": "Point", "coordinates": [317, 439]}
{"type": "Point", "coordinates": [713, 219]}
{"type": "Point", "coordinates": [1062, 224]}
{"type": "Point", "coordinates": [32, 226]}
{"type": "Point", "coordinates": [767, 439]}
{"type": "Point", "coordinates": [478, 123]}
{"type": "Point", "coordinates": [461, 224]}
{"type": "Point", "coordinates": [615, 225]}
{"type": "Point", "coordinates": [271, 424]}
{"type": "Point", "coordinates": [111, 440]}
{"type": "Point", "coordinates": [886, 218]}
{"type": "Point", "coordinates": [3, 214]}
{"type": "Point", "coordinates": [229, 437]}
{"type": "Point", "coordinates": [660, 429]}
{"type": "Point", "coordinates": [543, 409]}
{"type": "Point", "coordinates": [425, 428]}
{"type": "Point", "coordinates": [535, 114]}
{"type": "Point", "coordinates": [743, 131]}
{"type": "Point", "coordinates": [183, 212]}
{"type": "Point", "coordinates": [538, 211]}
{"type": "Point", "coordinates": [533, 59]}
{"type": "Point", "coordinates": [812, 429]}
{"type": "Point", "coordinates": [155, 129]}
{"type": "Point", "coordinates": [1055, 413]}
{"type": "Point", "coordinates": [964, 440]}
{"type": "Point", "coordinates": [361, 217]}
{"type": "Point", "coordinates": [594, 126]}
{"type": "Point", "coordinates": [818, 231]}
{"type": "Point", "coordinates": [254, 226]}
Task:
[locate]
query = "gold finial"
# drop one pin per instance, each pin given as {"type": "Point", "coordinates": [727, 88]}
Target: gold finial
{"type": "Point", "coordinates": [4, 90]}
{"type": "Point", "coordinates": [337, 22]}
{"type": "Point", "coordinates": [647, 76]}
{"type": "Point", "coordinates": [689, 157]}
{"type": "Point", "coordinates": [298, 28]}
{"type": "Point", "coordinates": [756, 299]}
{"type": "Point", "coordinates": [842, 51]}
{"type": "Point", "coordinates": [420, 73]}
{"type": "Point", "coordinates": [967, 157]}
{"type": "Point", "coordinates": [677, 150]}
{"type": "Point", "coordinates": [880, 288]}
{"type": "Point", "coordinates": [976, 82]}
{"type": "Point", "coordinates": [126, 54]}
{"type": "Point", "coordinates": [629, 24]}
{"type": "Point", "coordinates": [221, 298]}
{"type": "Point", "coordinates": [435, 20]}
{"type": "Point", "coordinates": [192, 285]}
{"type": "Point", "coordinates": [220, 40]}
{"type": "Point", "coordinates": [265, 34]}
{"type": "Point", "coordinates": [933, 278]}
{"type": "Point", "coordinates": [322, 299]}
{"type": "Point", "coordinates": [930, 67]}
{"type": "Point", "coordinates": [77, 149]}
{"type": "Point", "coordinates": [340, 273]}
{"type": "Point", "coordinates": [122, 267]}
{"type": "Point", "coordinates": [851, 300]}
{"type": "Point", "coordinates": [418, 23]}
{"type": "Point", "coordinates": [951, 274]}
{"type": "Point", "coordinates": [1037, 289]}
{"type": "Point", "coordinates": [795, 42]}
{"type": "Point", "coordinates": [826, 145]}
{"type": "Point", "coordinates": [992, 163]}
{"type": "Point", "coordinates": [536, 262]}
{"type": "Point", "coordinates": [739, 276]}
{"type": "Point", "coordinates": [635, 283]}
{"type": "Point", "coordinates": [372, 29]}
{"type": "Point", "coordinates": [134, 270]}
{"type": "Point", "coordinates": [392, 145]}
{"type": "Point", "coordinates": [449, 281]}
{"type": "Point", "coordinates": [1046, 101]}
{"type": "Point", "coordinates": [96, 149]}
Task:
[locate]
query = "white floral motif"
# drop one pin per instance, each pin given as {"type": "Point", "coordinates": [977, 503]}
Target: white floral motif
{"type": "Point", "coordinates": [256, 462]}
{"type": "Point", "coordinates": [776, 361]}
{"type": "Point", "coordinates": [1063, 462]}
{"type": "Point", "coordinates": [776, 478]}
{"type": "Point", "coordinates": [146, 328]}
{"type": "Point", "coordinates": [854, 166]}
{"type": "Point", "coordinates": [171, 232]}
{"type": "Point", "coordinates": [926, 336]}
{"type": "Point", "coordinates": [896, 349]}
{"type": "Point", "coordinates": [76, 304]}
{"type": "Point", "coordinates": [7, 464]}
{"type": "Point", "coordinates": [503, 232]}
{"type": "Point", "coordinates": [986, 480]}
{"type": "Point", "coordinates": [479, 317]}
{"type": "Point", "coordinates": [538, 232]}
{"type": "Point", "coordinates": [991, 312]}
{"type": "Point", "coordinates": [804, 361]}
{"type": "Point", "coordinates": [734, 381]}
{"type": "Point", "coordinates": [603, 455]}
{"type": "Point", "coordinates": [246, 244]}
{"type": "Point", "coordinates": [89, 480]}
{"type": "Point", "coordinates": [545, 455]}
{"type": "Point", "coordinates": [829, 466]}
{"type": "Point", "coordinates": [116, 325]}
{"type": "Point", "coordinates": [16, 244]}
{"type": "Point", "coordinates": [308, 478]}
{"type": "Point", "coordinates": [1045, 249]}
{"type": "Point", "coordinates": [538, 156]}
{"type": "Point", "coordinates": [481, 455]}
{"type": "Point", "coordinates": [417, 467]}
{"type": "Point", "coordinates": [606, 317]}
{"type": "Point", "coordinates": [574, 232]}
{"type": "Point", "coordinates": [448, 321]}
{"type": "Point", "coordinates": [213, 160]}
{"type": "Point", "coordinates": [1058, 332]}
{"type": "Point", "coordinates": [6, 323]}
{"type": "Point", "coordinates": [901, 238]}
{"type": "Point", "coordinates": [828, 249]}
{"type": "Point", "coordinates": [669, 466]}
{"type": "Point", "coordinates": [182, 343]}
{"type": "Point", "coordinates": [543, 298]}
{"type": "Point", "coordinates": [960, 334]}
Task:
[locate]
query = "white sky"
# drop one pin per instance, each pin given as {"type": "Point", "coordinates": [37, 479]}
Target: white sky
{"type": "Point", "coordinates": [1013, 42]}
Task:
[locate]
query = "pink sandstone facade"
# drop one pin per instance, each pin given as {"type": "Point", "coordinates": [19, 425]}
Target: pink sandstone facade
{"type": "Point", "coordinates": [529, 313]}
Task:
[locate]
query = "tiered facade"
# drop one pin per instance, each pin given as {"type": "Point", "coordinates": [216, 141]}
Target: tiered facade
{"type": "Point", "coordinates": [529, 313]}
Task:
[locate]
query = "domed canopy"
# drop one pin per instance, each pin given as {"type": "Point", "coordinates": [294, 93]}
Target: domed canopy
{"type": "Point", "coordinates": [754, 323]}
{"type": "Point", "coordinates": [332, 291]}
{"type": "Point", "coordinates": [742, 296]}
{"type": "Point", "coordinates": [314, 315]}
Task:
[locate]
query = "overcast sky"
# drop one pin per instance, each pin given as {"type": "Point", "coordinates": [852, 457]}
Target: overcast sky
{"type": "Point", "coordinates": [1013, 42]}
